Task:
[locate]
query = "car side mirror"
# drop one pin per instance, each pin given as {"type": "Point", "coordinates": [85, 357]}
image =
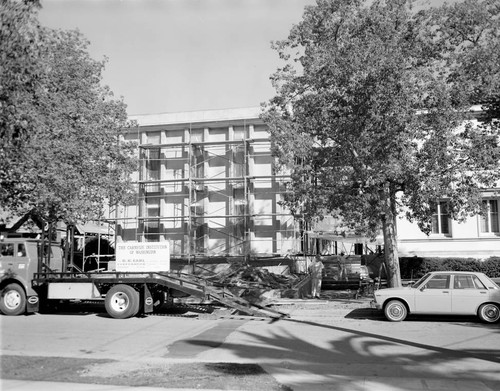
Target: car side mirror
{"type": "Point", "coordinates": [423, 288]}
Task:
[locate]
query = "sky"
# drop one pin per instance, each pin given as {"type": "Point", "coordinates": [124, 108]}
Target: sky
{"type": "Point", "coordinates": [182, 55]}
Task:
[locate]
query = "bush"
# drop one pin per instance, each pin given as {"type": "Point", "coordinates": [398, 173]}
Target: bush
{"type": "Point", "coordinates": [416, 267]}
{"type": "Point", "coordinates": [491, 267]}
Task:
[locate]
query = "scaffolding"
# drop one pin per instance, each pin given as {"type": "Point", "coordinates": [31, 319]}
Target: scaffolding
{"type": "Point", "coordinates": [211, 192]}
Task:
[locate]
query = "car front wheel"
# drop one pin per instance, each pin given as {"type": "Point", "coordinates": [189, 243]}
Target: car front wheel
{"type": "Point", "coordinates": [489, 313]}
{"type": "Point", "coordinates": [395, 311]}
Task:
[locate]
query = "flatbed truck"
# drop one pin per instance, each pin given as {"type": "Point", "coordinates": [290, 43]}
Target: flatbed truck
{"type": "Point", "coordinates": [32, 277]}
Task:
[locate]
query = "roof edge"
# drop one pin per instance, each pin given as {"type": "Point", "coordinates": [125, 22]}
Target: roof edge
{"type": "Point", "coordinates": [187, 117]}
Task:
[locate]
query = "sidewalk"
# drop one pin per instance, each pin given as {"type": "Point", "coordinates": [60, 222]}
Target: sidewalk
{"type": "Point", "coordinates": [305, 381]}
{"type": "Point", "coordinates": [24, 385]}
{"type": "Point", "coordinates": [308, 381]}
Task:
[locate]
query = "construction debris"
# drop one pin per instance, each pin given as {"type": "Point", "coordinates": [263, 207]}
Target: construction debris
{"type": "Point", "coordinates": [258, 285]}
{"type": "Point", "coordinates": [246, 276]}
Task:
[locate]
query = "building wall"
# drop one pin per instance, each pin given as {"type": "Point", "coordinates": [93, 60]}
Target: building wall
{"type": "Point", "coordinates": [477, 237]}
{"type": "Point", "coordinates": [206, 184]}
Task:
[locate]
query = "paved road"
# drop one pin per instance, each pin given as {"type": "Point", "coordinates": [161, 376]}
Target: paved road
{"type": "Point", "coordinates": [323, 346]}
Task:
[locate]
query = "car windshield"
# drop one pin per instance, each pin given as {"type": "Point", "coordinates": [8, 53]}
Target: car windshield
{"type": "Point", "coordinates": [419, 282]}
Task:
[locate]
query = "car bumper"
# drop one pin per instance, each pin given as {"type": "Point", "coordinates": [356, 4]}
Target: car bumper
{"type": "Point", "coordinates": [375, 305]}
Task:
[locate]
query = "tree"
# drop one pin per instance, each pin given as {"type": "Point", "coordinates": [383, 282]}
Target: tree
{"type": "Point", "coordinates": [372, 118]}
{"type": "Point", "coordinates": [61, 155]}
{"type": "Point", "coordinates": [19, 50]}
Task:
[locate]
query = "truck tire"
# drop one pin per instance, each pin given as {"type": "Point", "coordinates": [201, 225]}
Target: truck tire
{"type": "Point", "coordinates": [13, 300]}
{"type": "Point", "coordinates": [122, 302]}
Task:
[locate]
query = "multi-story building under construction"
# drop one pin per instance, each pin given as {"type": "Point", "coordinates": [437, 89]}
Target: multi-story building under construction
{"type": "Point", "coordinates": [207, 185]}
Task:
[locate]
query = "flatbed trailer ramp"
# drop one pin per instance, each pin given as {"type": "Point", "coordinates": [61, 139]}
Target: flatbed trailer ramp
{"type": "Point", "coordinates": [114, 287]}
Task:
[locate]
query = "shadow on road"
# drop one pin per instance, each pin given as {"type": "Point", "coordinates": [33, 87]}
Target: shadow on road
{"type": "Point", "coordinates": [353, 352]}
{"type": "Point", "coordinates": [490, 355]}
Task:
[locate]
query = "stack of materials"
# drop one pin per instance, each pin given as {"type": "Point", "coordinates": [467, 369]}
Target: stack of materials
{"type": "Point", "coordinates": [257, 284]}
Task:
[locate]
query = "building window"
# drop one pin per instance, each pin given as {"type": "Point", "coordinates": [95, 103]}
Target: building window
{"type": "Point", "coordinates": [358, 248]}
{"type": "Point", "coordinates": [489, 220]}
{"type": "Point", "coordinates": [153, 164]}
{"type": "Point", "coordinates": [153, 138]}
{"type": "Point", "coordinates": [150, 170]}
{"type": "Point", "coordinates": [152, 226]}
{"type": "Point", "coordinates": [176, 209]}
{"type": "Point", "coordinates": [153, 206]}
{"type": "Point", "coordinates": [152, 221]}
{"type": "Point", "coordinates": [441, 219]}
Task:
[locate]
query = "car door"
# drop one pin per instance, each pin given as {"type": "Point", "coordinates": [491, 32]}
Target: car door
{"type": "Point", "coordinates": [467, 294]}
{"type": "Point", "coordinates": [434, 296]}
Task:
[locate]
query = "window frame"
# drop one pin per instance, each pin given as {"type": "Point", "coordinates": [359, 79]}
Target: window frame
{"type": "Point", "coordinates": [488, 218]}
{"type": "Point", "coordinates": [21, 250]}
{"type": "Point", "coordinates": [7, 249]}
{"type": "Point", "coordinates": [474, 282]}
{"type": "Point", "coordinates": [437, 277]}
{"type": "Point", "coordinates": [439, 216]}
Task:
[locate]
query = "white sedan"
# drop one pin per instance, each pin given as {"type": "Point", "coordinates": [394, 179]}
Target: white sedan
{"type": "Point", "coordinates": [445, 293]}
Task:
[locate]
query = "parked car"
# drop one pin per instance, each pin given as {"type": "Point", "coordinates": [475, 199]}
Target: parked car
{"type": "Point", "coordinates": [344, 272]}
{"type": "Point", "coordinates": [443, 292]}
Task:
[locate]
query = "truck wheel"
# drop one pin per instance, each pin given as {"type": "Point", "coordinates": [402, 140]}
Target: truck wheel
{"type": "Point", "coordinates": [122, 301]}
{"type": "Point", "coordinates": [13, 300]}
{"type": "Point", "coordinates": [489, 313]}
{"type": "Point", "coordinates": [395, 311]}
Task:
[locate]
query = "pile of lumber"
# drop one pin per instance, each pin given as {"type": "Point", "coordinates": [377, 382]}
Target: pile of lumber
{"type": "Point", "coordinates": [246, 276]}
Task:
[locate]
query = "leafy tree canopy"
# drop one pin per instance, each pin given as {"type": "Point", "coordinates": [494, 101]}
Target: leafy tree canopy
{"type": "Point", "coordinates": [372, 111]}
{"type": "Point", "coordinates": [59, 128]}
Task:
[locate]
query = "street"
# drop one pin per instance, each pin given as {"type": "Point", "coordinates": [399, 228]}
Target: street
{"type": "Point", "coordinates": [324, 345]}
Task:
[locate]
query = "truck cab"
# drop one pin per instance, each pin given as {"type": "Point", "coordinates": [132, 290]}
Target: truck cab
{"type": "Point", "coordinates": [19, 260]}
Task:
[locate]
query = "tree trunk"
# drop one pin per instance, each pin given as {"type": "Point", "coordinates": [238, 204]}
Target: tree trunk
{"type": "Point", "coordinates": [390, 242]}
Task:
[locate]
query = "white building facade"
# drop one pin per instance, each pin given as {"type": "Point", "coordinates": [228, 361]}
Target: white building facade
{"type": "Point", "coordinates": [206, 184]}
{"type": "Point", "coordinates": [477, 237]}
